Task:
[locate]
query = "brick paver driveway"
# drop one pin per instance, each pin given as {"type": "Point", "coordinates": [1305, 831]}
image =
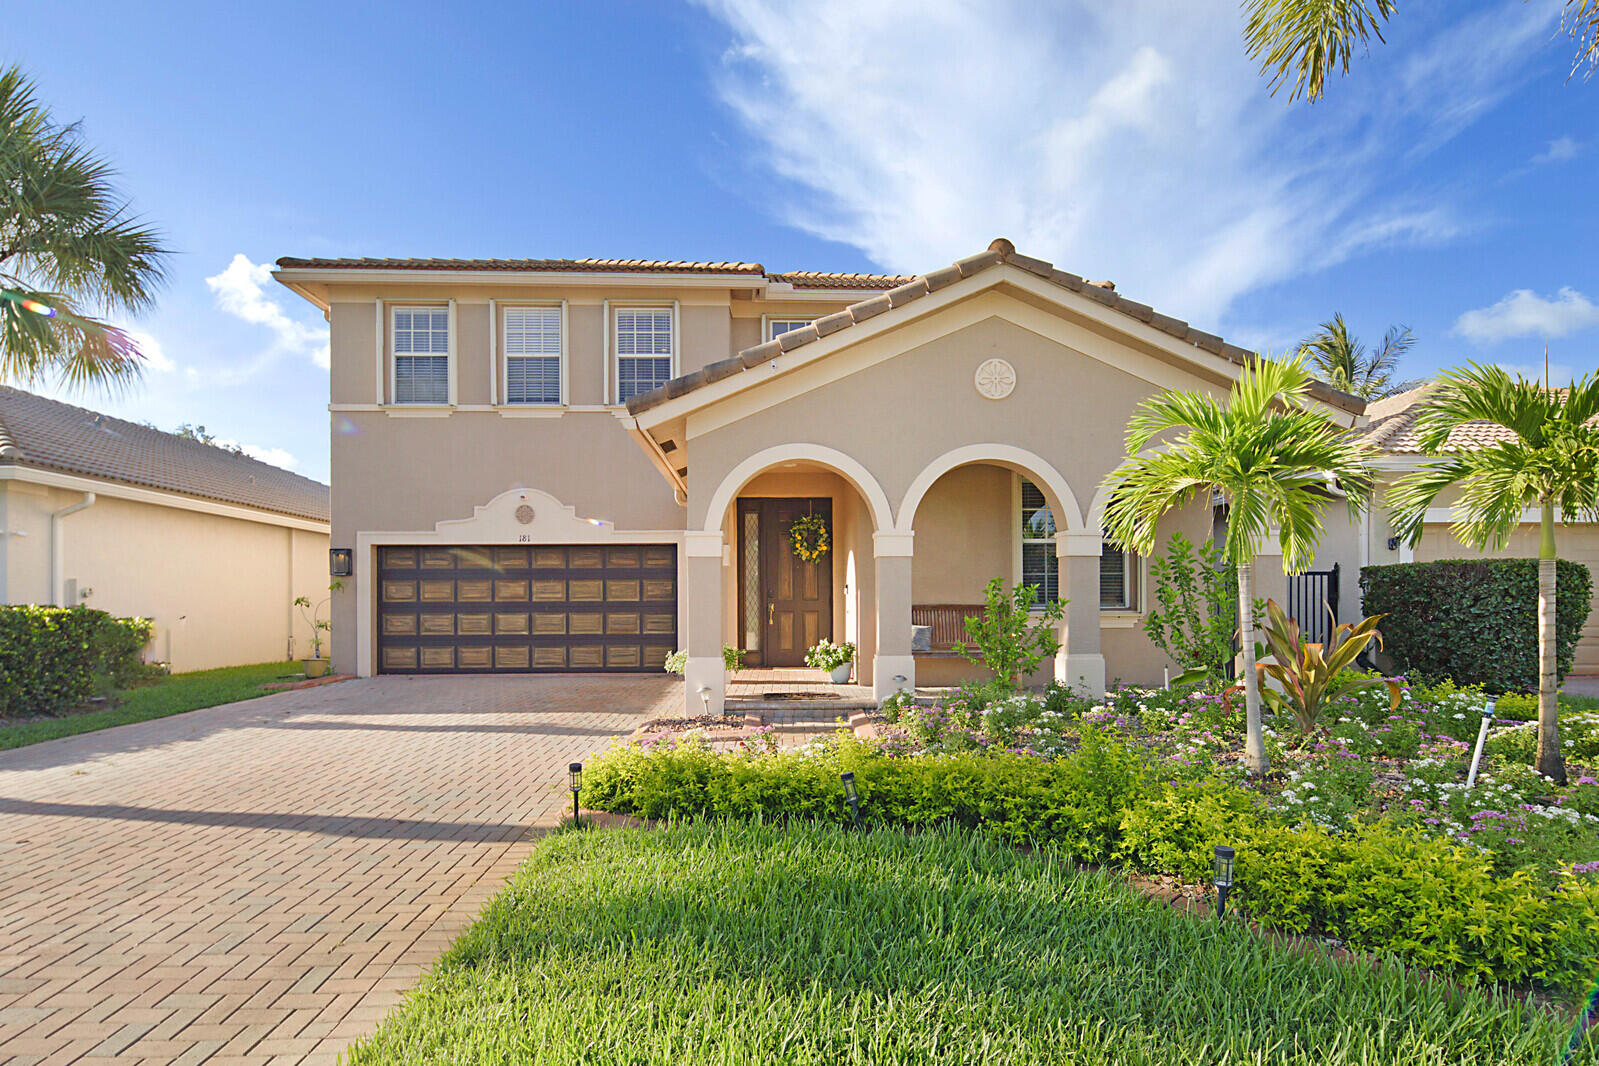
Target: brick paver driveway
{"type": "Point", "coordinates": [259, 881]}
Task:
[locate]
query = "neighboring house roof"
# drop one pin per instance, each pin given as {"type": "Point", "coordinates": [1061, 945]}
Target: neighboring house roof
{"type": "Point", "coordinates": [50, 435]}
{"type": "Point", "coordinates": [1392, 427]}
{"type": "Point", "coordinates": [572, 266]}
{"type": "Point", "coordinates": [1000, 251]}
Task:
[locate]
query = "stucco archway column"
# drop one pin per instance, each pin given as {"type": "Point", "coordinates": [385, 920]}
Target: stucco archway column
{"type": "Point", "coordinates": [1079, 663]}
{"type": "Point", "coordinates": [705, 675]}
{"type": "Point", "coordinates": [893, 667]}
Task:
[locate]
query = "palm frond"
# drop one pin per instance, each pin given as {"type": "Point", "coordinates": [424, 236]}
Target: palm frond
{"type": "Point", "coordinates": [1307, 40]}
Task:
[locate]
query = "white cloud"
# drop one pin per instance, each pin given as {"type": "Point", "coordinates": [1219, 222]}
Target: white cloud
{"type": "Point", "coordinates": [241, 291]}
{"type": "Point", "coordinates": [1134, 141]}
{"type": "Point", "coordinates": [155, 357]}
{"type": "Point", "coordinates": [1526, 314]}
{"type": "Point", "coordinates": [275, 456]}
{"type": "Point", "coordinates": [1560, 149]}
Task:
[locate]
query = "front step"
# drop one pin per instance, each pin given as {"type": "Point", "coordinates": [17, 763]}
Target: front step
{"type": "Point", "coordinates": [838, 708]}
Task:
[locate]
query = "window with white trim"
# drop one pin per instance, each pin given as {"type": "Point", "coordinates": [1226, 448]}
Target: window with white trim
{"type": "Point", "coordinates": [776, 326]}
{"type": "Point", "coordinates": [643, 350]}
{"type": "Point", "coordinates": [1118, 570]}
{"type": "Point", "coordinates": [1118, 578]}
{"type": "Point", "coordinates": [420, 338]}
{"type": "Point", "coordinates": [1040, 567]}
{"type": "Point", "coordinates": [533, 355]}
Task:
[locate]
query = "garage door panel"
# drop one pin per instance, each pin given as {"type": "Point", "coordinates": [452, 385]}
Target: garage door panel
{"type": "Point", "coordinates": [530, 608]}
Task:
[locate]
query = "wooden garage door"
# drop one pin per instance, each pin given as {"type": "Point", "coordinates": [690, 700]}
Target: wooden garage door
{"type": "Point", "coordinates": [494, 609]}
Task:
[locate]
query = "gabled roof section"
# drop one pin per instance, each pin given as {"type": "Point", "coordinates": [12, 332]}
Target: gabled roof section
{"type": "Point", "coordinates": [1393, 427]}
{"type": "Point", "coordinates": [50, 435]}
{"type": "Point", "coordinates": [574, 266]}
{"type": "Point", "coordinates": [1001, 251]}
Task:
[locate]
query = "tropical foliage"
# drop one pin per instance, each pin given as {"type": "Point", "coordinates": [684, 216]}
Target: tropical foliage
{"type": "Point", "coordinates": [1273, 461]}
{"type": "Point", "coordinates": [1194, 616]}
{"type": "Point", "coordinates": [70, 249]}
{"type": "Point", "coordinates": [1009, 637]}
{"type": "Point", "coordinates": [1302, 42]}
{"type": "Point", "coordinates": [1340, 359]}
{"type": "Point", "coordinates": [1310, 675]}
{"type": "Point", "coordinates": [1548, 461]}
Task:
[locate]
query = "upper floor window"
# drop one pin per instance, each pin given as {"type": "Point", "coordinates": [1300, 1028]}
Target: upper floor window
{"type": "Point", "coordinates": [775, 326]}
{"type": "Point", "coordinates": [533, 355]}
{"type": "Point", "coordinates": [1118, 570]}
{"type": "Point", "coordinates": [421, 343]}
{"type": "Point", "coordinates": [644, 353]}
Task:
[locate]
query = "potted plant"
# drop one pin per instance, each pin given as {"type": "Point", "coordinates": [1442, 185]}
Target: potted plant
{"type": "Point", "coordinates": [836, 659]}
{"type": "Point", "coordinates": [316, 618]}
{"type": "Point", "coordinates": [732, 661]}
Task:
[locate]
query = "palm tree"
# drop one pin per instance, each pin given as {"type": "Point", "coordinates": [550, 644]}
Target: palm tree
{"type": "Point", "coordinates": [1340, 359]}
{"type": "Point", "coordinates": [1272, 459]}
{"type": "Point", "coordinates": [1549, 459]}
{"type": "Point", "coordinates": [1310, 39]}
{"type": "Point", "coordinates": [68, 250]}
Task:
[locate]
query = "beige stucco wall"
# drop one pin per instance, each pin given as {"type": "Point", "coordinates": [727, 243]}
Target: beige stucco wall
{"type": "Point", "coordinates": [219, 589]}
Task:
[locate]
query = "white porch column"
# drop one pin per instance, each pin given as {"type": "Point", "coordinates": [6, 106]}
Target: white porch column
{"type": "Point", "coordinates": [705, 675]}
{"type": "Point", "coordinates": [893, 667]}
{"type": "Point", "coordinates": [1079, 663]}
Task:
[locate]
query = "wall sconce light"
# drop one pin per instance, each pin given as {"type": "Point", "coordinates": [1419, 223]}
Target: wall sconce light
{"type": "Point", "coordinates": [1393, 544]}
{"type": "Point", "coordinates": [851, 796]}
{"type": "Point", "coordinates": [576, 772]}
{"type": "Point", "coordinates": [1224, 877]}
{"type": "Point", "coordinates": [341, 562]}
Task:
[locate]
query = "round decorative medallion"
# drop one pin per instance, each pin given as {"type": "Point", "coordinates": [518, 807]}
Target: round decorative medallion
{"type": "Point", "coordinates": [995, 378]}
{"type": "Point", "coordinates": [524, 514]}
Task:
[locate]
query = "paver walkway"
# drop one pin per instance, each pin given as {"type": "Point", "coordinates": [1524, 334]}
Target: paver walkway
{"type": "Point", "coordinates": [259, 882]}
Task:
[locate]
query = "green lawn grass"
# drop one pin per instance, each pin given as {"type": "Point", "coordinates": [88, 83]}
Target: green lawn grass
{"type": "Point", "coordinates": [747, 944]}
{"type": "Point", "coordinates": [169, 695]}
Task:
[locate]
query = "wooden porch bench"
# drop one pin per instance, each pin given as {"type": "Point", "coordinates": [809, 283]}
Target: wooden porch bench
{"type": "Point", "coordinates": [948, 624]}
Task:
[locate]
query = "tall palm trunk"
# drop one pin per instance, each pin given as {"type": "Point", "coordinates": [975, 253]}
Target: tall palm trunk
{"type": "Point", "coordinates": [1550, 761]}
{"type": "Point", "coordinates": [1254, 737]}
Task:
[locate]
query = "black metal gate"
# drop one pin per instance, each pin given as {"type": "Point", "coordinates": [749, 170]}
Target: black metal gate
{"type": "Point", "coordinates": [1311, 596]}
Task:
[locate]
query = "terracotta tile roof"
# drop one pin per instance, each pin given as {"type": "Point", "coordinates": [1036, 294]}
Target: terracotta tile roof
{"type": "Point", "coordinates": [1392, 427]}
{"type": "Point", "coordinates": [822, 279]}
{"type": "Point", "coordinates": [50, 435]}
{"type": "Point", "coordinates": [575, 266]}
{"type": "Point", "coordinates": [1000, 251]}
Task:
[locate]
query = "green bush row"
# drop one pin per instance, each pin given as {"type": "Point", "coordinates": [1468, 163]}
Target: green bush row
{"type": "Point", "coordinates": [1378, 888]}
{"type": "Point", "coordinates": [54, 656]}
{"type": "Point", "coordinates": [1475, 620]}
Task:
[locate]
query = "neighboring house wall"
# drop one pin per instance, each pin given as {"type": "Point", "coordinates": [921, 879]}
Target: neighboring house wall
{"type": "Point", "coordinates": [219, 589]}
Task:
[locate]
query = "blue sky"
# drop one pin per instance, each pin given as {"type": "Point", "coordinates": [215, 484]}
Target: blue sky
{"type": "Point", "coordinates": [1447, 184]}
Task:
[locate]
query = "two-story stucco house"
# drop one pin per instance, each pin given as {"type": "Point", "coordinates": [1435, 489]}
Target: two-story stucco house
{"type": "Point", "coordinates": [583, 465]}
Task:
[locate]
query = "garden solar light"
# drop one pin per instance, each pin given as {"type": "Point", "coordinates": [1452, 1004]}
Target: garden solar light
{"type": "Point", "coordinates": [576, 770]}
{"type": "Point", "coordinates": [1224, 877]}
{"type": "Point", "coordinates": [851, 796]}
{"type": "Point", "coordinates": [1482, 739]}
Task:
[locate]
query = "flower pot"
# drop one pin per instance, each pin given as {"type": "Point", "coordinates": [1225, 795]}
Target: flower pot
{"type": "Point", "coordinates": [840, 674]}
{"type": "Point", "coordinates": [315, 667]}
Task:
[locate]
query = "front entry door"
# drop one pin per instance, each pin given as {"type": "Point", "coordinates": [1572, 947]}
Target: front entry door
{"type": "Point", "coordinates": [795, 601]}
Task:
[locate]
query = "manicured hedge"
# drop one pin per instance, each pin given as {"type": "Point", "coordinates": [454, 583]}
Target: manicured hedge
{"type": "Point", "coordinates": [1380, 889]}
{"type": "Point", "coordinates": [54, 656]}
{"type": "Point", "coordinates": [1475, 620]}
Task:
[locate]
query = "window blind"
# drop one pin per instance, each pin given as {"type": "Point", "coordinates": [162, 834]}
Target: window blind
{"type": "Point", "coordinates": [533, 355]}
{"type": "Point", "coordinates": [643, 351]}
{"type": "Point", "coordinates": [421, 340]}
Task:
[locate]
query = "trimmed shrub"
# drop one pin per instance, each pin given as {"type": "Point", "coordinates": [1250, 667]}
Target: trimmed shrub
{"type": "Point", "coordinates": [1378, 887]}
{"type": "Point", "coordinates": [1475, 620]}
{"type": "Point", "coordinates": [54, 656]}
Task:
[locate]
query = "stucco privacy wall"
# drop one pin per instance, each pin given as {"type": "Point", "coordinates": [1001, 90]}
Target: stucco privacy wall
{"type": "Point", "coordinates": [219, 589]}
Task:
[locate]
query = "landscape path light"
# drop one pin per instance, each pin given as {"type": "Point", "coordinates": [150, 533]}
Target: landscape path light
{"type": "Point", "coordinates": [851, 796]}
{"type": "Point", "coordinates": [1224, 877]}
{"type": "Point", "coordinates": [576, 772]}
